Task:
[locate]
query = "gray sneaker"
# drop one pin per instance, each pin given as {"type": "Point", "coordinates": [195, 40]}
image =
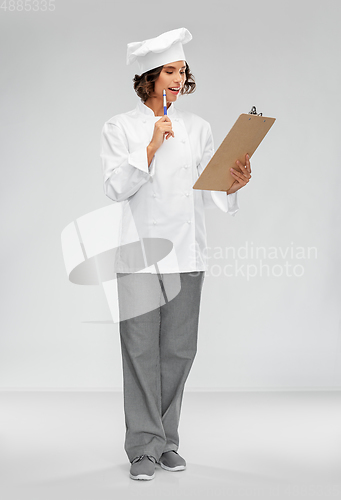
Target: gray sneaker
{"type": "Point", "coordinates": [143, 467]}
{"type": "Point", "coordinates": [171, 460]}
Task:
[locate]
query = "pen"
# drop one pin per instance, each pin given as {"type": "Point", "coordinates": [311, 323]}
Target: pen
{"type": "Point", "coordinates": [164, 103]}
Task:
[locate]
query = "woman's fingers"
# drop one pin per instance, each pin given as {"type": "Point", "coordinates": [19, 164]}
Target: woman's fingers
{"type": "Point", "coordinates": [164, 127]}
{"type": "Point", "coordinates": [164, 118]}
{"type": "Point", "coordinates": [245, 170]}
{"type": "Point", "coordinates": [241, 178]}
{"type": "Point", "coordinates": [247, 163]}
{"type": "Point", "coordinates": [169, 134]}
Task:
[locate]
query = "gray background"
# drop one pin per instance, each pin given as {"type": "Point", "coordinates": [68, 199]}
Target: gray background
{"type": "Point", "coordinates": [63, 74]}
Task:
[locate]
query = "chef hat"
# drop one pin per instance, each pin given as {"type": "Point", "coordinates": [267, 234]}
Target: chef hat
{"type": "Point", "coordinates": [158, 51]}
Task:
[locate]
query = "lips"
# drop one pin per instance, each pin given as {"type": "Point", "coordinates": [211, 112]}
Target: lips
{"type": "Point", "coordinates": [174, 90]}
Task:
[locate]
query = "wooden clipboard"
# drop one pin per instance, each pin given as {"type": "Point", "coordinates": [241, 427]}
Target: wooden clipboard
{"type": "Point", "coordinates": [244, 137]}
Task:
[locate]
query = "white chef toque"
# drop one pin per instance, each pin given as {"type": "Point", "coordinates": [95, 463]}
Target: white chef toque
{"type": "Point", "coordinates": [158, 51]}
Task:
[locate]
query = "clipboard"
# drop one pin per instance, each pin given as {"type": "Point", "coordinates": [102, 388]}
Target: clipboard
{"type": "Point", "coordinates": [244, 138]}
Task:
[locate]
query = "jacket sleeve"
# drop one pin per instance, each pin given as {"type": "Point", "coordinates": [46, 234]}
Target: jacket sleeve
{"type": "Point", "coordinates": [124, 171]}
{"type": "Point", "coordinates": [226, 202]}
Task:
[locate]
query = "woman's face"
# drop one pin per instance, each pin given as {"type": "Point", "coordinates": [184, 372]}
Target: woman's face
{"type": "Point", "coordinates": [172, 79]}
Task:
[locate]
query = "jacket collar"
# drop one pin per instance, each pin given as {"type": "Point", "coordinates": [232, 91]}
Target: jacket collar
{"type": "Point", "coordinates": [149, 112]}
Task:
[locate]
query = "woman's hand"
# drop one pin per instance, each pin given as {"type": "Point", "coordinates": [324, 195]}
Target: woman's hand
{"type": "Point", "coordinates": [241, 178]}
{"type": "Point", "coordinates": [162, 129]}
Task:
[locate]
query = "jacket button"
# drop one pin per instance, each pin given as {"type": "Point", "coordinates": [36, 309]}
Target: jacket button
{"type": "Point", "coordinates": [144, 121]}
{"type": "Point", "coordinates": [185, 166]}
{"type": "Point", "coordinates": [187, 193]}
{"type": "Point", "coordinates": [154, 195]}
{"type": "Point", "coordinates": [183, 141]}
{"type": "Point", "coordinates": [188, 222]}
{"type": "Point", "coordinates": [154, 222]}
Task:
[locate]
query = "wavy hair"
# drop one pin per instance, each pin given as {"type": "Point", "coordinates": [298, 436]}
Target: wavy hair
{"type": "Point", "coordinates": [144, 84]}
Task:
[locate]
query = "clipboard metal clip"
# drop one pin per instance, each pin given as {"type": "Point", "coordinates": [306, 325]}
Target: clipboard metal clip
{"type": "Point", "coordinates": [254, 111]}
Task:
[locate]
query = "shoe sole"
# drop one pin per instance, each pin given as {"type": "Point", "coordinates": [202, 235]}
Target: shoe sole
{"type": "Point", "coordinates": [172, 469]}
{"type": "Point", "coordinates": [142, 477]}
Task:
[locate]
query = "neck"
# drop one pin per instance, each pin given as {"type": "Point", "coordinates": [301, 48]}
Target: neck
{"type": "Point", "coordinates": [156, 105]}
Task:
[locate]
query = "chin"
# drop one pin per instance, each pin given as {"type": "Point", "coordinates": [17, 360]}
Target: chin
{"type": "Point", "coordinates": [174, 98]}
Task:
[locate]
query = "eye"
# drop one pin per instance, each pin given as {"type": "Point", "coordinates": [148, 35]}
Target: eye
{"type": "Point", "coordinates": [169, 72]}
{"type": "Point", "coordinates": [182, 72]}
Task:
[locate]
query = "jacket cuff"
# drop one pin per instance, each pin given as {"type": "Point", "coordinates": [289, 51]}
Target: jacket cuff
{"type": "Point", "coordinates": [152, 167]}
{"type": "Point", "coordinates": [226, 203]}
{"type": "Point", "coordinates": [232, 203]}
{"type": "Point", "coordinates": [139, 159]}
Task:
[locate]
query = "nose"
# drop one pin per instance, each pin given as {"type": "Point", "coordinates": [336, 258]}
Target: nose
{"type": "Point", "coordinates": [178, 79]}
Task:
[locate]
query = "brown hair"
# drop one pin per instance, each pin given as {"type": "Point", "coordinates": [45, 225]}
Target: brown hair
{"type": "Point", "coordinates": [144, 84]}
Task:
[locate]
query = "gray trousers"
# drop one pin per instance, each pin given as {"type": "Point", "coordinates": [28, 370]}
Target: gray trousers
{"type": "Point", "coordinates": [158, 349]}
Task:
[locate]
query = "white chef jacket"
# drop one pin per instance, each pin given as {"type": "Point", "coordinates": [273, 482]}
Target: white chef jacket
{"type": "Point", "coordinates": [159, 201]}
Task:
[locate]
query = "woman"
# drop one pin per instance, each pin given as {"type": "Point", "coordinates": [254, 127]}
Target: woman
{"type": "Point", "coordinates": [150, 163]}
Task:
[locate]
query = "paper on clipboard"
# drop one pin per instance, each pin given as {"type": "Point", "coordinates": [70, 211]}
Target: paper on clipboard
{"type": "Point", "coordinates": [244, 137]}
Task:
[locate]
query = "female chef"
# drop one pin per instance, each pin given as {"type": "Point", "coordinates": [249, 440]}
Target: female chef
{"type": "Point", "coordinates": [150, 163]}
